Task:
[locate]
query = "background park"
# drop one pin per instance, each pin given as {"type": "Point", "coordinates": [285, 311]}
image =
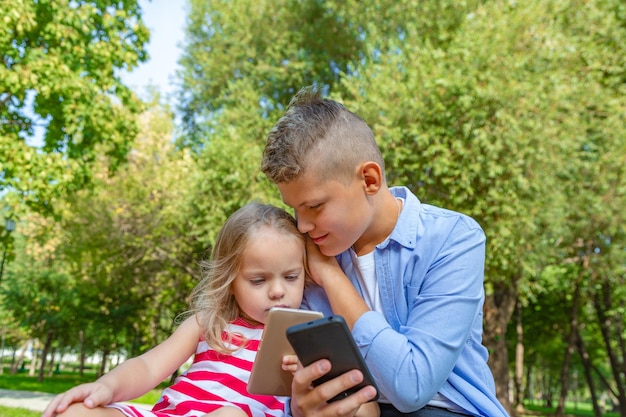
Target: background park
{"type": "Point", "coordinates": [513, 112]}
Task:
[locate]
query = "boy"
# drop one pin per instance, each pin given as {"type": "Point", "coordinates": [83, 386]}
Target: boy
{"type": "Point", "coordinates": [406, 276]}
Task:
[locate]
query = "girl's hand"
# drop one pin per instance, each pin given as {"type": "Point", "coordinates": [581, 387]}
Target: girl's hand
{"type": "Point", "coordinates": [92, 395]}
{"type": "Point", "coordinates": [290, 363]}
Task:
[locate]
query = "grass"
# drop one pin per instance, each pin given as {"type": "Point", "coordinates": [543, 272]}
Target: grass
{"type": "Point", "coordinates": [54, 384]}
{"type": "Point", "coordinates": [63, 381]}
{"type": "Point", "coordinates": [17, 412]}
{"type": "Point", "coordinates": [58, 383]}
{"type": "Point", "coordinates": [571, 409]}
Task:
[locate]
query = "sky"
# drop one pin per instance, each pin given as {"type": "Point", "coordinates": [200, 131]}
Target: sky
{"type": "Point", "coordinates": [166, 21]}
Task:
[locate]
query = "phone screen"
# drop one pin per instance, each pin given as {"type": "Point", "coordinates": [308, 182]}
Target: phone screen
{"type": "Point", "coordinates": [267, 377]}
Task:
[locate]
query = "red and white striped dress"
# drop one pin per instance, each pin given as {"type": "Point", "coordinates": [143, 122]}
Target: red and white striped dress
{"type": "Point", "coordinates": [215, 380]}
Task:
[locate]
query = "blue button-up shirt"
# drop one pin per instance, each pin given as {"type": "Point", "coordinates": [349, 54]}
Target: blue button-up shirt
{"type": "Point", "coordinates": [428, 339]}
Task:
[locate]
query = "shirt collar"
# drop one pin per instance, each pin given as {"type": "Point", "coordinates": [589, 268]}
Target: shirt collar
{"type": "Point", "coordinates": [405, 230]}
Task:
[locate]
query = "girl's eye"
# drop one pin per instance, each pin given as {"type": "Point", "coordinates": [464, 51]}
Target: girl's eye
{"type": "Point", "coordinates": [292, 277]}
{"type": "Point", "coordinates": [315, 206]}
{"type": "Point", "coordinates": [257, 281]}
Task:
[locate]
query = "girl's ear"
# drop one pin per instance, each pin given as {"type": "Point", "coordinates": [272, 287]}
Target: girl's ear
{"type": "Point", "coordinates": [372, 176]}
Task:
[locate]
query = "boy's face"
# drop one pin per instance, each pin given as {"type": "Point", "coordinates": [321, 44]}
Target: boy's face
{"type": "Point", "coordinates": [334, 214]}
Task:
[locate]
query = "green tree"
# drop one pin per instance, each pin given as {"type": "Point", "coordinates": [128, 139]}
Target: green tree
{"type": "Point", "coordinates": [228, 174]}
{"type": "Point", "coordinates": [489, 122]}
{"type": "Point", "coordinates": [59, 77]}
{"type": "Point", "coordinates": [121, 253]}
{"type": "Point", "coordinates": [127, 240]}
{"type": "Point", "coordinates": [275, 47]}
{"type": "Point", "coordinates": [37, 293]}
{"type": "Point", "coordinates": [506, 111]}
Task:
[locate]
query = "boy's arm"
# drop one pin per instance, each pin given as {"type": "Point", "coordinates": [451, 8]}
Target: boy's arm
{"type": "Point", "coordinates": [438, 320]}
{"type": "Point", "coordinates": [347, 302]}
{"type": "Point", "coordinates": [443, 312]}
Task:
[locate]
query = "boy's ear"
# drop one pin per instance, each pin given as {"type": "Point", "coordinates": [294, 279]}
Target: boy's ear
{"type": "Point", "coordinates": [372, 176]}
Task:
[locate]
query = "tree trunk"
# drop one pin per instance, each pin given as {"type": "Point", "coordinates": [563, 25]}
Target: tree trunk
{"type": "Point", "coordinates": [529, 389]}
{"type": "Point", "coordinates": [4, 331]}
{"type": "Point", "coordinates": [52, 361]}
{"type": "Point", "coordinates": [103, 364]}
{"type": "Point", "coordinates": [612, 331]}
{"type": "Point", "coordinates": [519, 361]}
{"type": "Point", "coordinates": [33, 362]}
{"type": "Point", "coordinates": [15, 365]}
{"type": "Point", "coordinates": [498, 310]}
{"type": "Point", "coordinates": [44, 354]}
{"type": "Point", "coordinates": [571, 346]}
{"type": "Point", "coordinates": [588, 374]}
{"type": "Point", "coordinates": [81, 339]}
{"type": "Point", "coordinates": [547, 392]}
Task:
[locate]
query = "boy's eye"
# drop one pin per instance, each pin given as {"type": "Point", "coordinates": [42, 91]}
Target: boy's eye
{"type": "Point", "coordinates": [315, 206]}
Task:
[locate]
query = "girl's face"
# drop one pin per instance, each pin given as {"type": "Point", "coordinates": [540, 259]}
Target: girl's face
{"type": "Point", "coordinates": [271, 274]}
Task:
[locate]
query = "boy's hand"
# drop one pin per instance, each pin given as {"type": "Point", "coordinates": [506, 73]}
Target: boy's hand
{"type": "Point", "coordinates": [309, 401]}
{"type": "Point", "coordinates": [290, 363]}
{"type": "Point", "coordinates": [92, 395]}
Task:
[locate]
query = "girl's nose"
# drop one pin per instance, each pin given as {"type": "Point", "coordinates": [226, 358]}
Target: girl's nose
{"type": "Point", "coordinates": [277, 291]}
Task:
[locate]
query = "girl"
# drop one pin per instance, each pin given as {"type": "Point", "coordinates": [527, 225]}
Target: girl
{"type": "Point", "coordinates": [257, 263]}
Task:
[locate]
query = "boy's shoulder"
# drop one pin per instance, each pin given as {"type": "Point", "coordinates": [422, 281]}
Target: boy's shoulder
{"type": "Point", "coordinates": [420, 221]}
{"type": "Point", "coordinates": [413, 203]}
{"type": "Point", "coordinates": [449, 214]}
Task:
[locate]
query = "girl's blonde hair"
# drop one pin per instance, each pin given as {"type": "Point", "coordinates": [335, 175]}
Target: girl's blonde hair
{"type": "Point", "coordinates": [212, 300]}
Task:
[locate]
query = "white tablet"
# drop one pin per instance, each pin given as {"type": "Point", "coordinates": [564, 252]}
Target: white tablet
{"type": "Point", "coordinates": [267, 377]}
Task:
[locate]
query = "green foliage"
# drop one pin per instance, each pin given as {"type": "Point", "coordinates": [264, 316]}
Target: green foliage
{"type": "Point", "coordinates": [58, 75]}
{"type": "Point", "coordinates": [274, 47]}
{"type": "Point", "coordinates": [228, 174]}
{"type": "Point", "coordinates": [126, 242]}
{"type": "Point", "coordinates": [119, 265]}
{"type": "Point", "coordinates": [511, 112]}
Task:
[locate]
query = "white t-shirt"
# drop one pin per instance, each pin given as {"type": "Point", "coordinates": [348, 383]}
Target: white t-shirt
{"type": "Point", "coordinates": [366, 273]}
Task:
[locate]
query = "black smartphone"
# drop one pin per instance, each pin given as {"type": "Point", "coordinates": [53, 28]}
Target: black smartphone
{"type": "Point", "coordinates": [330, 338]}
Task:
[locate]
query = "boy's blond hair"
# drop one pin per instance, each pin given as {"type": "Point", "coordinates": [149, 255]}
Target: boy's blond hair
{"type": "Point", "coordinates": [321, 136]}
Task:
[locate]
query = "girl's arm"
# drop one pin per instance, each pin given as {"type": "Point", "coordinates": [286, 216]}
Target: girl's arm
{"type": "Point", "coordinates": [139, 375]}
{"type": "Point", "coordinates": [135, 376]}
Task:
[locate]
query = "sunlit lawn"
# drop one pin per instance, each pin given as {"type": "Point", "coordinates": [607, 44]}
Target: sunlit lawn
{"type": "Point", "coordinates": [58, 383]}
{"type": "Point", "coordinates": [17, 412]}
{"type": "Point", "coordinates": [571, 409]}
